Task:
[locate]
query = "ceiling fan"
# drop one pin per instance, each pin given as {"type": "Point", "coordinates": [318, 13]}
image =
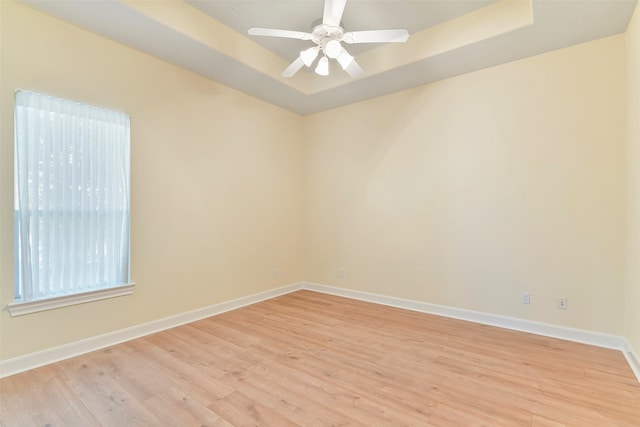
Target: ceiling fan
{"type": "Point", "coordinates": [328, 34]}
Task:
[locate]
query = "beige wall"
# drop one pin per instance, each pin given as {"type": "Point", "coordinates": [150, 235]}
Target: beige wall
{"type": "Point", "coordinates": [216, 188]}
{"type": "Point", "coordinates": [468, 191]}
{"type": "Point", "coordinates": [632, 289]}
{"type": "Point", "coordinates": [463, 193]}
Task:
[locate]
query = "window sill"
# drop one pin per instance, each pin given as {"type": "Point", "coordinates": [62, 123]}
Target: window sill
{"type": "Point", "coordinates": [28, 307]}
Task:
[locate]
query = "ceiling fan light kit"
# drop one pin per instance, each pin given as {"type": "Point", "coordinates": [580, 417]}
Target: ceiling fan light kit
{"type": "Point", "coordinates": [332, 48]}
{"type": "Point", "coordinates": [328, 34]}
{"type": "Point", "coordinates": [323, 66]}
{"type": "Point", "coordinates": [309, 55]}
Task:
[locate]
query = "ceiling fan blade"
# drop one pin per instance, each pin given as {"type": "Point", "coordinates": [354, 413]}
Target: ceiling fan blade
{"type": "Point", "coordinates": [333, 10]}
{"type": "Point", "coordinates": [376, 36]}
{"type": "Point", "coordinates": [270, 32]}
{"type": "Point", "coordinates": [293, 68]}
{"type": "Point", "coordinates": [349, 64]}
{"type": "Point", "coordinates": [354, 69]}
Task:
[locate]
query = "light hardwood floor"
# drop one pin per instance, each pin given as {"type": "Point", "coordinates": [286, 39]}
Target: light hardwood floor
{"type": "Point", "coordinates": [311, 359]}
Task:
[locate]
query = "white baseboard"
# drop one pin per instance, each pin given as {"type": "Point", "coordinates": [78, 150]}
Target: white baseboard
{"type": "Point", "coordinates": [40, 358]}
{"type": "Point", "coordinates": [632, 358]}
{"type": "Point", "coordinates": [570, 334]}
{"type": "Point", "coordinates": [545, 329]}
{"type": "Point", "coordinates": [55, 354]}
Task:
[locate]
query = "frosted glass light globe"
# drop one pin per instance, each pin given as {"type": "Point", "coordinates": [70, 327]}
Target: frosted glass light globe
{"type": "Point", "coordinates": [333, 48]}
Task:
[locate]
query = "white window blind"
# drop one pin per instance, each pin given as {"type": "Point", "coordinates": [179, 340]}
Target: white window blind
{"type": "Point", "coordinates": [71, 217]}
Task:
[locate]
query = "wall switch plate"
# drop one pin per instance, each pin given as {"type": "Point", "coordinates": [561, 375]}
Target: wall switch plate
{"type": "Point", "coordinates": [526, 298]}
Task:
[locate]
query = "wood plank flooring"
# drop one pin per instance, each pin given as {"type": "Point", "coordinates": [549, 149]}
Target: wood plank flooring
{"type": "Point", "coordinates": [309, 359]}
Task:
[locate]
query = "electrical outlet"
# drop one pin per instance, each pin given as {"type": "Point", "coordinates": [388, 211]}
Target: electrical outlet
{"type": "Point", "coordinates": [276, 273]}
{"type": "Point", "coordinates": [342, 273]}
{"type": "Point", "coordinates": [526, 298]}
{"type": "Point", "coordinates": [562, 303]}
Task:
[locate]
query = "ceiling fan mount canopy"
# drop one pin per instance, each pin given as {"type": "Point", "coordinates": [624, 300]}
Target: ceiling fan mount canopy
{"type": "Point", "coordinates": [328, 34]}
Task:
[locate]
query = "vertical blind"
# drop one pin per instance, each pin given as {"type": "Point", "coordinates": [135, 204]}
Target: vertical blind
{"type": "Point", "coordinates": [71, 192]}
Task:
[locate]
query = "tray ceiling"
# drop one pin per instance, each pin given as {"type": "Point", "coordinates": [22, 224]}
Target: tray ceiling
{"type": "Point", "coordinates": [447, 38]}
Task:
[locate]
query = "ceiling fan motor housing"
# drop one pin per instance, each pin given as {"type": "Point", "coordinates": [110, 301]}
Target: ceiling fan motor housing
{"type": "Point", "coordinates": [328, 38]}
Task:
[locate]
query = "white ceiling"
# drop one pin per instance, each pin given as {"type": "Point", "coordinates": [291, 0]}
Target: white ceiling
{"type": "Point", "coordinates": [447, 38]}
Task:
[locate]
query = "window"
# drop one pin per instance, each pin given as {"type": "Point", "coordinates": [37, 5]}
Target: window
{"type": "Point", "coordinates": [71, 192]}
